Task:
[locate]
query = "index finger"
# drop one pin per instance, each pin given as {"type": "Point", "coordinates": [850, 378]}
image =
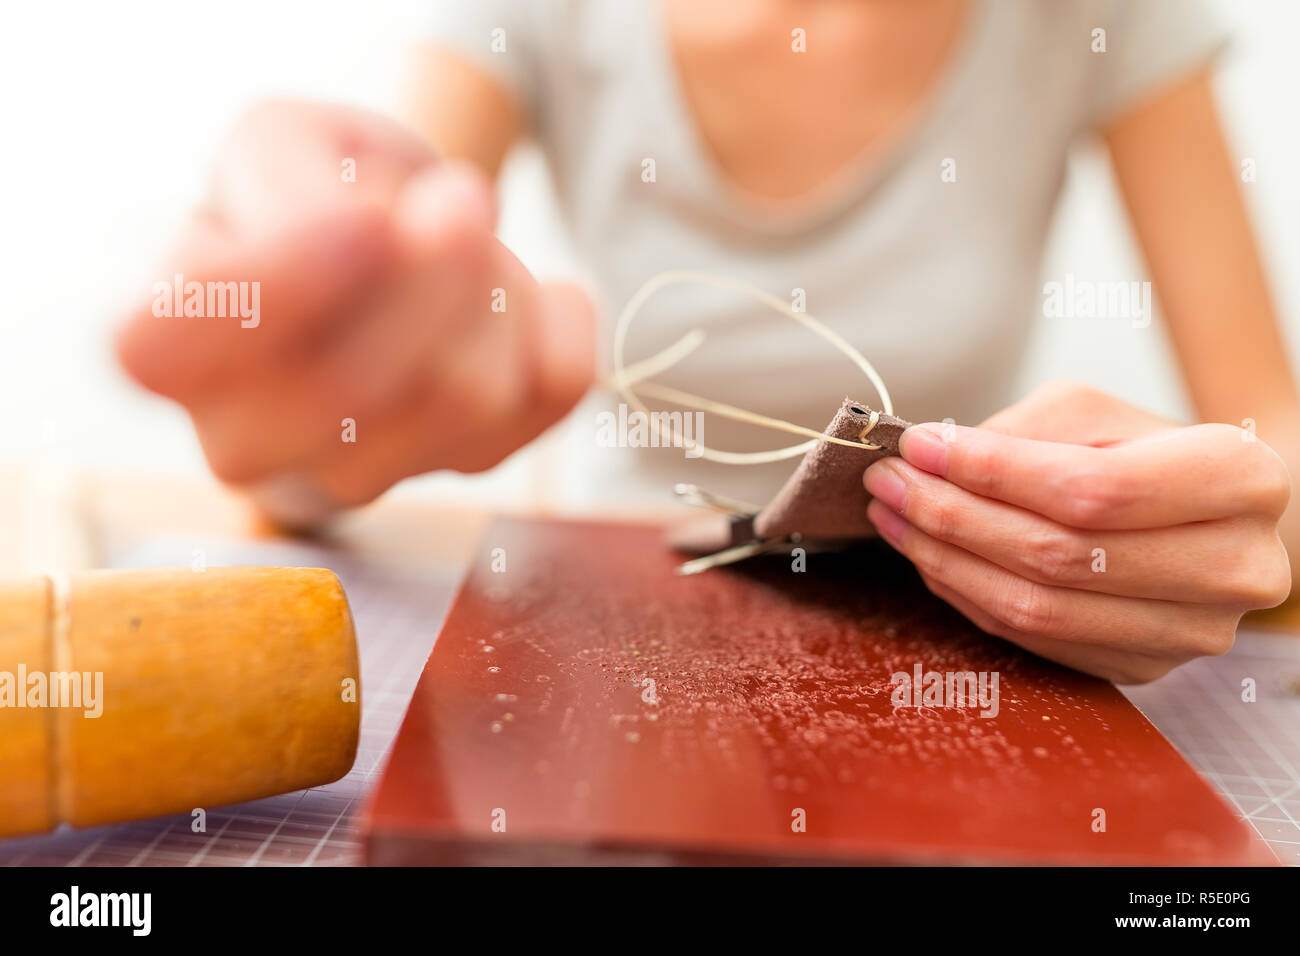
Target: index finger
{"type": "Point", "coordinates": [1199, 473]}
{"type": "Point", "coordinates": [230, 304]}
{"type": "Point", "coordinates": [287, 158]}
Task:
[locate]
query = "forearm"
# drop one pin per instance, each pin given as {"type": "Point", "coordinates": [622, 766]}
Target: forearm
{"type": "Point", "coordinates": [1180, 186]}
{"type": "Point", "coordinates": [461, 111]}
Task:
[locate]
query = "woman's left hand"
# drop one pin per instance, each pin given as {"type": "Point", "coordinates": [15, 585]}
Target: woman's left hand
{"type": "Point", "coordinates": [1091, 532]}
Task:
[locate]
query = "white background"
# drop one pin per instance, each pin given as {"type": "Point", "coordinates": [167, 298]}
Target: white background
{"type": "Point", "coordinates": [112, 111]}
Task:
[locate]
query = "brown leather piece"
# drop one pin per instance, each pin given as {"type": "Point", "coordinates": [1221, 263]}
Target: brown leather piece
{"type": "Point", "coordinates": [824, 499]}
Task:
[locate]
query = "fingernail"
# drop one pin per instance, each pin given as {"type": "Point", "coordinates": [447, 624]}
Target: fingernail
{"type": "Point", "coordinates": [924, 447]}
{"type": "Point", "coordinates": [440, 196]}
{"type": "Point", "coordinates": [889, 523]}
{"type": "Point", "coordinates": [884, 483]}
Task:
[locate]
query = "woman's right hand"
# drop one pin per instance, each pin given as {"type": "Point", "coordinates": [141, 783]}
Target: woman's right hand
{"type": "Point", "coordinates": [385, 311]}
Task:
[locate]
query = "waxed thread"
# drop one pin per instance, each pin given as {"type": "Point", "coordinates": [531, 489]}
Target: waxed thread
{"type": "Point", "coordinates": [625, 377]}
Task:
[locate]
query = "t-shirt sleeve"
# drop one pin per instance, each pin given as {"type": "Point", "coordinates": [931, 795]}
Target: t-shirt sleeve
{"type": "Point", "coordinates": [501, 37]}
{"type": "Point", "coordinates": [1150, 45]}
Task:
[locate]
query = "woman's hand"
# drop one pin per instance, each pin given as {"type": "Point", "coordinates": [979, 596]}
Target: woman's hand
{"type": "Point", "coordinates": [1091, 532]}
{"type": "Point", "coordinates": [395, 334]}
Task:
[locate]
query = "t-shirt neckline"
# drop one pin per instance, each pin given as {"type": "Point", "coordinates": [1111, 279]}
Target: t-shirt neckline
{"type": "Point", "coordinates": [848, 184]}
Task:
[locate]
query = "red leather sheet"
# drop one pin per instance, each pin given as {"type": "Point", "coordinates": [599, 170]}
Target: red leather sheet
{"type": "Point", "coordinates": [536, 735]}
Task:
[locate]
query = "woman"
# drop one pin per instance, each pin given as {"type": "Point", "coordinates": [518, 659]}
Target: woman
{"type": "Point", "coordinates": [894, 162]}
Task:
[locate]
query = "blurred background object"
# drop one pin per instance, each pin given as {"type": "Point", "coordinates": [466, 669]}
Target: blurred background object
{"type": "Point", "coordinates": [114, 114]}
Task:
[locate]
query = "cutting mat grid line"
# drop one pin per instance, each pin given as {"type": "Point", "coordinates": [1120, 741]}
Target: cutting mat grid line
{"type": "Point", "coordinates": [1249, 752]}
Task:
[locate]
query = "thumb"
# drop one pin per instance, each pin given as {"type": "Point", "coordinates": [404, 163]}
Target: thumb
{"type": "Point", "coordinates": [563, 339]}
{"type": "Point", "coordinates": [287, 157]}
{"type": "Point", "coordinates": [444, 212]}
{"type": "Point", "coordinates": [1074, 414]}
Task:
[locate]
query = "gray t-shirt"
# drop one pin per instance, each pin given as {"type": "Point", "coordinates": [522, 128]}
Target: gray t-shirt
{"type": "Point", "coordinates": [933, 277]}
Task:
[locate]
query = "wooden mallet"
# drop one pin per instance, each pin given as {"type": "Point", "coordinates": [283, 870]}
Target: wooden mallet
{"type": "Point", "coordinates": [129, 694]}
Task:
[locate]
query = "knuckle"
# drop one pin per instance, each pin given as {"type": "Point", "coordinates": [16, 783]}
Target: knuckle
{"type": "Point", "coordinates": [1026, 607]}
{"type": "Point", "coordinates": [1052, 556]}
{"type": "Point", "coordinates": [1089, 497]}
{"type": "Point", "coordinates": [142, 360]}
{"type": "Point", "coordinates": [552, 399]}
{"type": "Point", "coordinates": [563, 365]}
{"type": "Point", "coordinates": [1223, 639]}
{"type": "Point", "coordinates": [1256, 475]}
{"type": "Point", "coordinates": [480, 458]}
{"type": "Point", "coordinates": [1216, 637]}
{"type": "Point", "coordinates": [354, 490]}
{"type": "Point", "coordinates": [1265, 581]}
{"type": "Point", "coordinates": [986, 470]}
{"type": "Point", "coordinates": [938, 517]}
{"type": "Point", "coordinates": [465, 418]}
{"type": "Point", "coordinates": [928, 558]}
{"type": "Point", "coordinates": [231, 463]}
{"type": "Point", "coordinates": [499, 400]}
{"type": "Point", "coordinates": [1280, 577]}
{"type": "Point", "coordinates": [446, 412]}
{"type": "Point", "coordinates": [470, 252]}
{"type": "Point", "coordinates": [1134, 671]}
{"type": "Point", "coordinates": [1271, 479]}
